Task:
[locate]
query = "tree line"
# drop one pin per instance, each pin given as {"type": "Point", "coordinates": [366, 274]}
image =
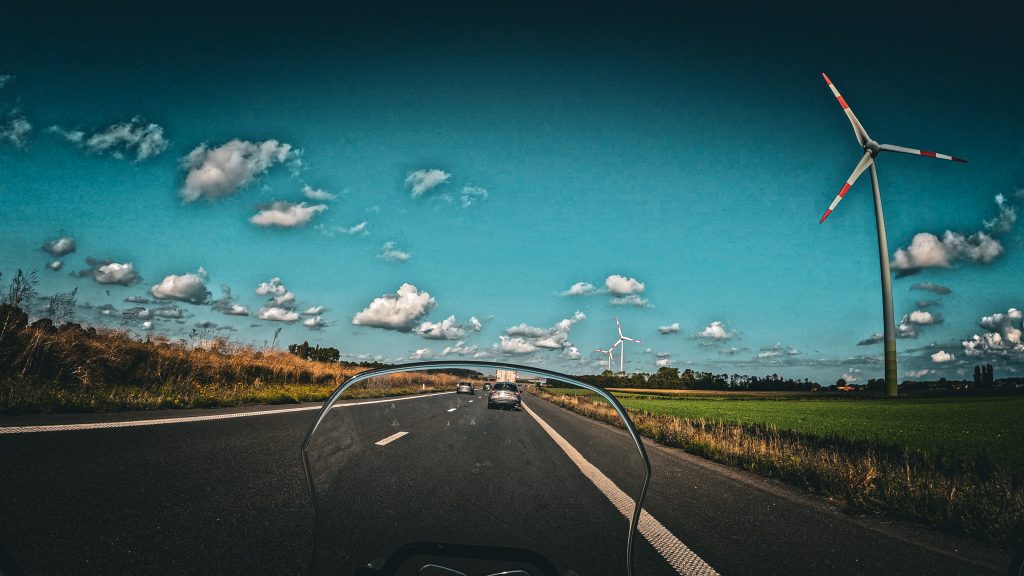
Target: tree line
{"type": "Point", "coordinates": [670, 378]}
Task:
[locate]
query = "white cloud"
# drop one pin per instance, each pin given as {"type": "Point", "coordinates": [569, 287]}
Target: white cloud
{"type": "Point", "coordinates": [571, 353]}
{"type": "Point", "coordinates": [220, 171]}
{"type": "Point", "coordinates": [147, 325]}
{"type": "Point", "coordinates": [471, 195]}
{"type": "Point", "coordinates": [942, 356]}
{"type": "Point", "coordinates": [447, 329]}
{"type": "Point", "coordinates": [60, 246]}
{"type": "Point", "coordinates": [286, 300]}
{"type": "Point", "coordinates": [235, 310]}
{"type": "Point", "coordinates": [622, 286]}
{"type": "Point", "coordinates": [917, 373]}
{"type": "Point", "coordinates": [421, 181]}
{"type": "Point", "coordinates": [114, 273]}
{"type": "Point", "coordinates": [272, 288]}
{"type": "Point", "coordinates": [317, 194]}
{"type": "Point", "coordinates": [474, 324]}
{"type": "Point", "coordinates": [399, 311]}
{"type": "Point", "coordinates": [389, 252]}
{"type": "Point", "coordinates": [189, 287]}
{"type": "Point", "coordinates": [851, 377]}
{"type": "Point", "coordinates": [15, 130]}
{"type": "Point", "coordinates": [421, 354]}
{"type": "Point", "coordinates": [314, 323]}
{"type": "Point", "coordinates": [926, 250]}
{"type": "Point", "coordinates": [314, 311]}
{"type": "Point", "coordinates": [553, 338]}
{"type": "Point", "coordinates": [55, 265]}
{"type": "Point", "coordinates": [1005, 220]}
{"type": "Point", "coordinates": [715, 331]}
{"type": "Point", "coordinates": [357, 229]}
{"type": "Point", "coordinates": [286, 214]}
{"type": "Point", "coordinates": [136, 139]}
{"type": "Point", "coordinates": [1003, 336]}
{"type": "Point", "coordinates": [631, 300]}
{"type": "Point", "coordinates": [923, 318]}
{"type": "Point", "coordinates": [670, 329]}
{"type": "Point", "coordinates": [277, 314]}
{"type": "Point", "coordinates": [361, 228]}
{"type": "Point", "coordinates": [459, 349]}
{"type": "Point", "coordinates": [5, 79]}
{"type": "Point", "coordinates": [580, 289]}
{"type": "Point", "coordinates": [515, 346]}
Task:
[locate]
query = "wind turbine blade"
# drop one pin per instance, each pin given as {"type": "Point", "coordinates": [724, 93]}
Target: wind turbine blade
{"type": "Point", "coordinates": [861, 167]}
{"type": "Point", "coordinates": [632, 339]}
{"type": "Point", "coordinates": [904, 150]}
{"type": "Point", "coordinates": [858, 129]}
{"type": "Point", "coordinates": [619, 327]}
{"type": "Point", "coordinates": [616, 344]}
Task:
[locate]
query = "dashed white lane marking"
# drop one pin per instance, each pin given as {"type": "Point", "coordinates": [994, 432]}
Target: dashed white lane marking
{"type": "Point", "coordinates": [451, 409]}
{"type": "Point", "coordinates": [159, 421]}
{"type": "Point", "coordinates": [390, 439]}
{"type": "Point", "coordinates": [677, 554]}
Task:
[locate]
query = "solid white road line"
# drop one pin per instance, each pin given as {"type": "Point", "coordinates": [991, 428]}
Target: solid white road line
{"type": "Point", "coordinates": [451, 409]}
{"type": "Point", "coordinates": [677, 554]}
{"type": "Point", "coordinates": [160, 421]}
{"type": "Point", "coordinates": [390, 439]}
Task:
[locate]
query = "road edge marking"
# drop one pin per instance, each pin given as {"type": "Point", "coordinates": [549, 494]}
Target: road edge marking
{"type": "Point", "coordinates": [189, 419]}
{"type": "Point", "coordinates": [677, 554]}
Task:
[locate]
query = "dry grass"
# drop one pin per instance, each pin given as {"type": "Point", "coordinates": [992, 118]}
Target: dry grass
{"type": "Point", "coordinates": [73, 369]}
{"type": "Point", "coordinates": [966, 496]}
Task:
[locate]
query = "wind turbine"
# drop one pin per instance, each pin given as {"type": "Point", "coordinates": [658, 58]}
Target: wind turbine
{"type": "Point", "coordinates": [622, 339]}
{"type": "Point", "coordinates": [871, 150]}
{"type": "Point", "coordinates": [609, 353]}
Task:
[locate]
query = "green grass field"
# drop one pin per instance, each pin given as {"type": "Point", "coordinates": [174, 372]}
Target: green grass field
{"type": "Point", "coordinates": [962, 426]}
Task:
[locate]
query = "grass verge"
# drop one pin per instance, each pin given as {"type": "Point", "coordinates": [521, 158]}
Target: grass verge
{"type": "Point", "coordinates": [964, 495]}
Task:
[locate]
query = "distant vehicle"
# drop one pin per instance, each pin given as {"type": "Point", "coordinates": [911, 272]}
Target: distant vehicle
{"type": "Point", "coordinates": [465, 387]}
{"type": "Point", "coordinates": [506, 376]}
{"type": "Point", "coordinates": [487, 386]}
{"type": "Point", "coordinates": [505, 395]}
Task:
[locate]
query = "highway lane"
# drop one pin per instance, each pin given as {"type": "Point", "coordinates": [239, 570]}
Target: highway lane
{"type": "Point", "coordinates": [466, 474]}
{"type": "Point", "coordinates": [229, 496]}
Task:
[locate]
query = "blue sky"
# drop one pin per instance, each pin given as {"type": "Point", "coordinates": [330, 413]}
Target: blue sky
{"type": "Point", "coordinates": [491, 158]}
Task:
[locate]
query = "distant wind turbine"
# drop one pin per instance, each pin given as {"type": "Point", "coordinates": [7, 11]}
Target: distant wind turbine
{"type": "Point", "coordinates": [871, 150]}
{"type": "Point", "coordinates": [622, 340]}
{"type": "Point", "coordinates": [609, 353]}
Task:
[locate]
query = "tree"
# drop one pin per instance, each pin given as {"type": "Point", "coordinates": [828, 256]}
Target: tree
{"type": "Point", "coordinates": [841, 382]}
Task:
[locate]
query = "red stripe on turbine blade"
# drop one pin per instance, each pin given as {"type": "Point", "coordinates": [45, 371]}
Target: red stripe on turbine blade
{"type": "Point", "coordinates": [843, 103]}
{"type": "Point", "coordinates": [825, 76]}
{"type": "Point", "coordinates": [846, 188]}
{"type": "Point", "coordinates": [927, 153]}
{"type": "Point", "coordinates": [955, 159]}
{"type": "Point", "coordinates": [827, 212]}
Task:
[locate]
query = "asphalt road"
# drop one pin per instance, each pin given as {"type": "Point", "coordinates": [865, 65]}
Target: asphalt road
{"type": "Point", "coordinates": [229, 496]}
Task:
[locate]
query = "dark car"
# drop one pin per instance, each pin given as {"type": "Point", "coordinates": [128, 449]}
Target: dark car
{"type": "Point", "coordinates": [504, 395]}
{"type": "Point", "coordinates": [465, 387]}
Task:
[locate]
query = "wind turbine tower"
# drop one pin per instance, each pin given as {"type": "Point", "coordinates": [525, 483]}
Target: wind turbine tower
{"type": "Point", "coordinates": [609, 353]}
{"type": "Point", "coordinates": [622, 341]}
{"type": "Point", "coordinates": [871, 150]}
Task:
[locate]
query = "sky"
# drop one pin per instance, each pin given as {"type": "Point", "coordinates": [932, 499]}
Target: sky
{"type": "Point", "coordinates": [501, 181]}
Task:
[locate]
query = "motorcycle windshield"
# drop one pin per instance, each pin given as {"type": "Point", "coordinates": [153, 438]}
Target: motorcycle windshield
{"type": "Point", "coordinates": [473, 468]}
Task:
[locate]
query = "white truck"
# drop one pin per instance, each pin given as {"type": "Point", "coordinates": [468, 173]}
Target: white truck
{"type": "Point", "coordinates": [506, 376]}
